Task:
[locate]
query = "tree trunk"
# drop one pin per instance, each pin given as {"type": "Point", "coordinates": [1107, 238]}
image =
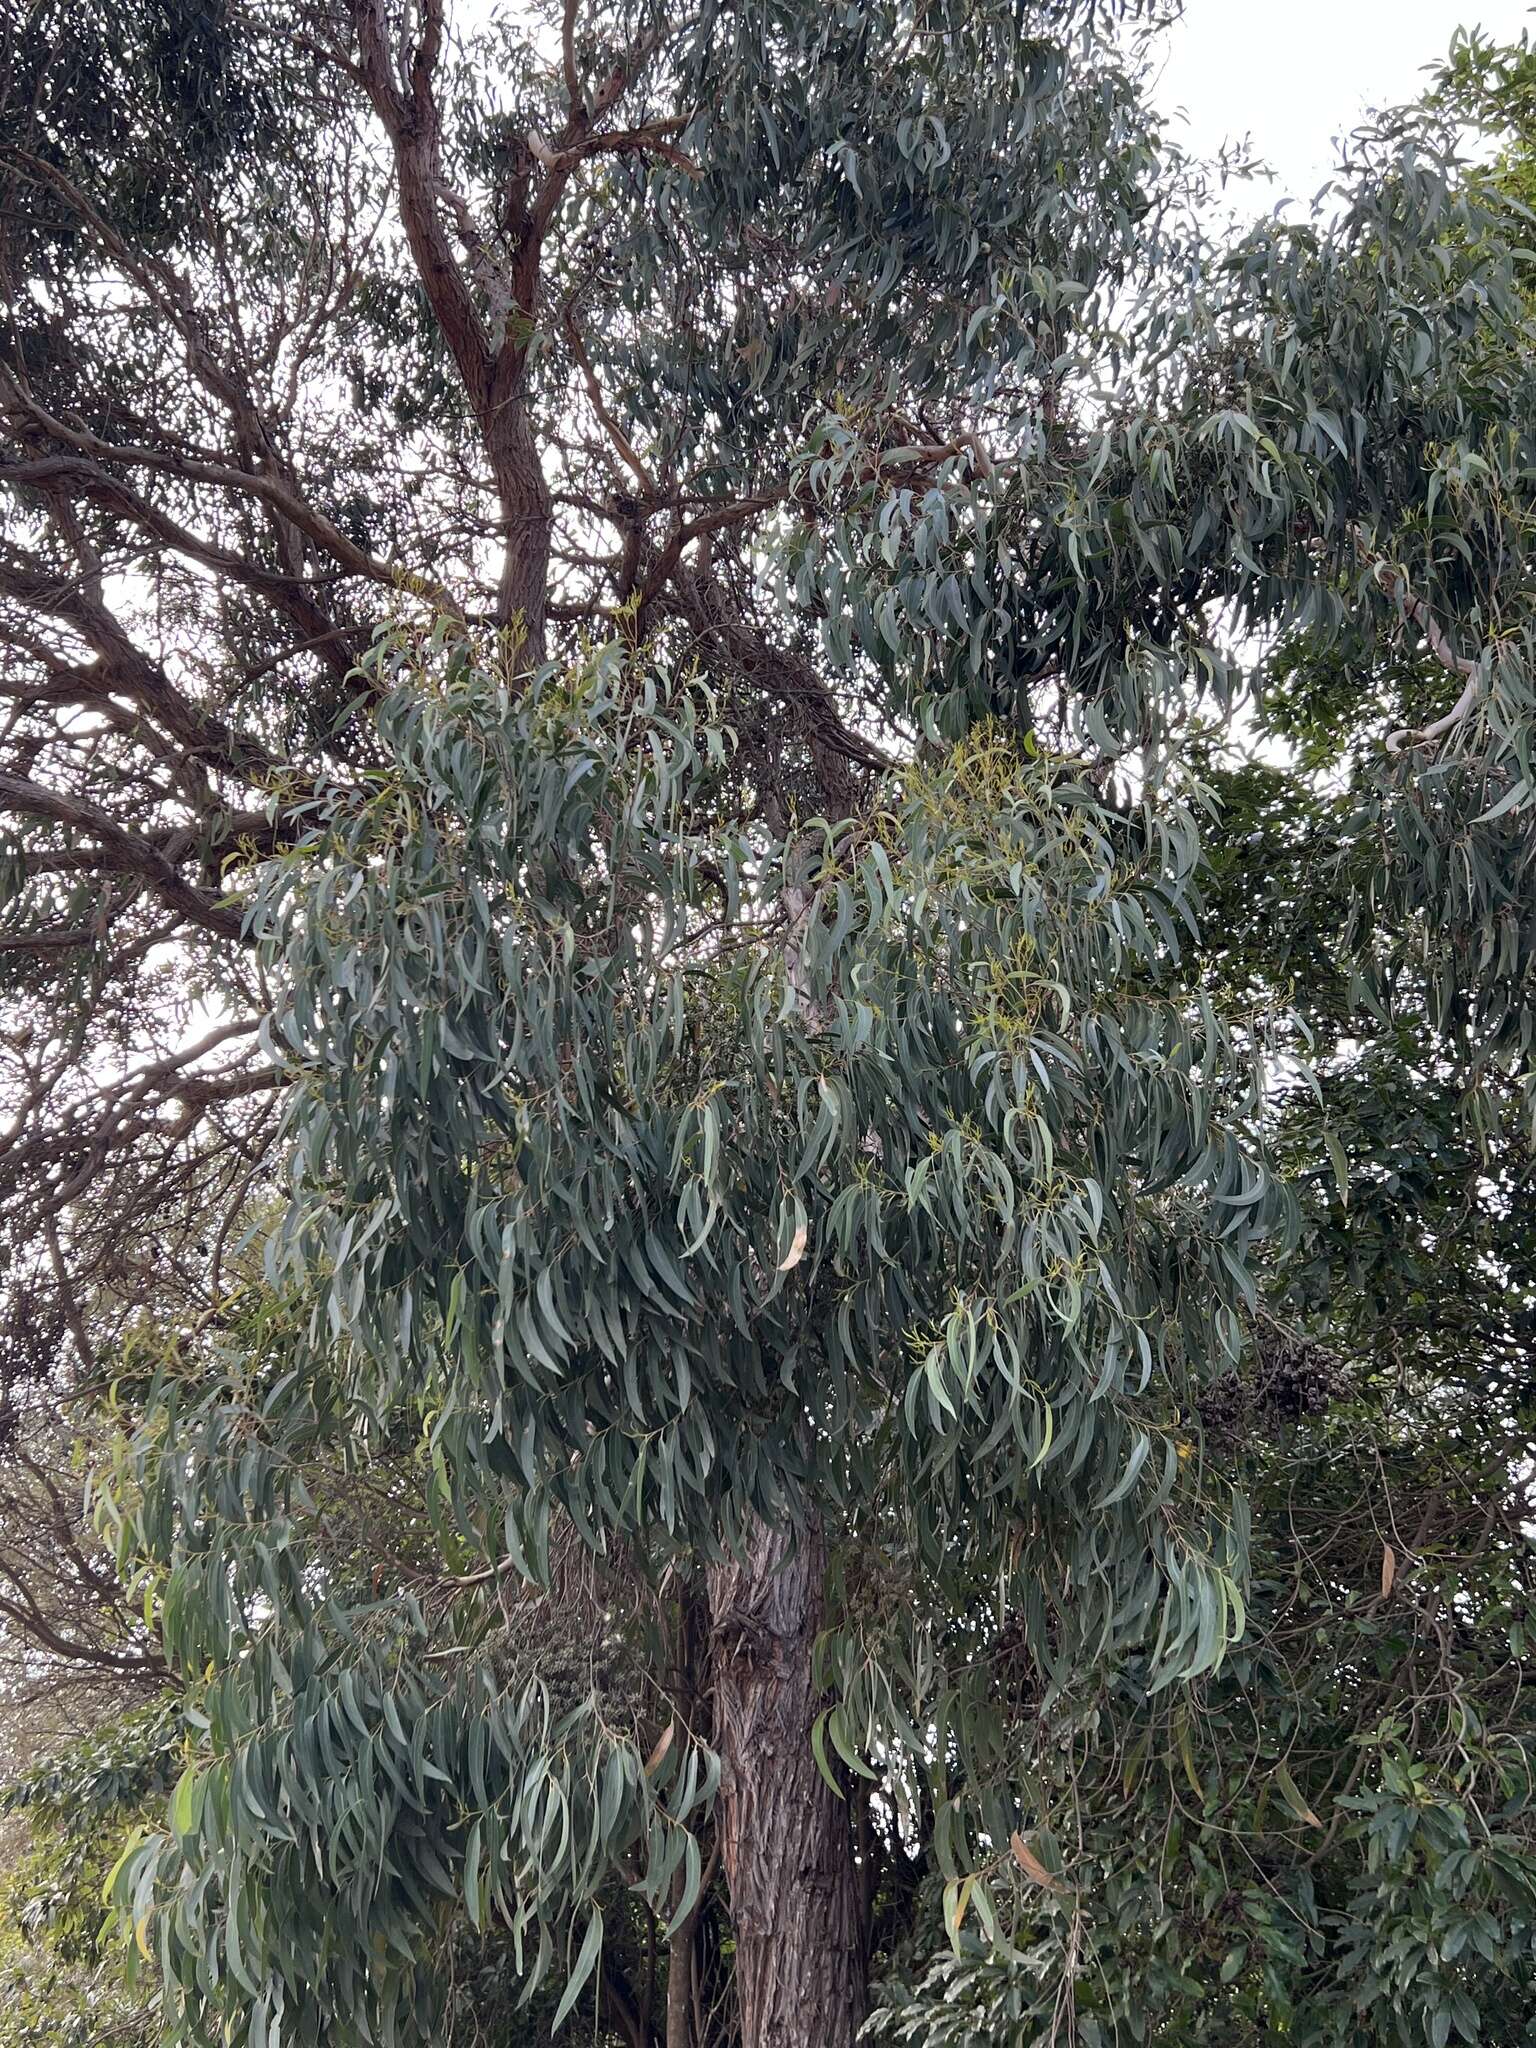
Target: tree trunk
{"type": "Point", "coordinates": [784, 1832]}
{"type": "Point", "coordinates": [526, 515]}
{"type": "Point", "coordinates": [680, 1988]}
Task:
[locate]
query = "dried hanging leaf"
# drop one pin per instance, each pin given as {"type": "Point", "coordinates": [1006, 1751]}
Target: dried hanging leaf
{"type": "Point", "coordinates": [1293, 1797]}
{"type": "Point", "coordinates": [796, 1250]}
{"type": "Point", "coordinates": [653, 1761]}
{"type": "Point", "coordinates": [1030, 1863]}
{"type": "Point", "coordinates": [1388, 1569]}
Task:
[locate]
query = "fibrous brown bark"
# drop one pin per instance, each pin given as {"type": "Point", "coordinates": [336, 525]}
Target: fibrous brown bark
{"type": "Point", "coordinates": [784, 1832]}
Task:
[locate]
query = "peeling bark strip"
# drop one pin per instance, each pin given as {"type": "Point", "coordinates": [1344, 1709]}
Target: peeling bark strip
{"type": "Point", "coordinates": [784, 1833]}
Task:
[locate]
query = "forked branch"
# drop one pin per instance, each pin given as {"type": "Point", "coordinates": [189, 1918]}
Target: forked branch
{"type": "Point", "coordinates": [1395, 584]}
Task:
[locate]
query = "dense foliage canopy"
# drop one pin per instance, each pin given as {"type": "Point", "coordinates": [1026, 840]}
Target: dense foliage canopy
{"type": "Point", "coordinates": [771, 878]}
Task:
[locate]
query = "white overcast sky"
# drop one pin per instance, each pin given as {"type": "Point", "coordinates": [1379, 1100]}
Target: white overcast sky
{"type": "Point", "coordinates": [1292, 74]}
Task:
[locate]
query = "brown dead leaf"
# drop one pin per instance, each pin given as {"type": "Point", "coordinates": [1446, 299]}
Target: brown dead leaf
{"type": "Point", "coordinates": [1030, 1863]}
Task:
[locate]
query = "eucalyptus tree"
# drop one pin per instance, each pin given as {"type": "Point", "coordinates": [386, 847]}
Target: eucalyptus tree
{"type": "Point", "coordinates": [612, 620]}
{"type": "Point", "coordinates": [1331, 1839]}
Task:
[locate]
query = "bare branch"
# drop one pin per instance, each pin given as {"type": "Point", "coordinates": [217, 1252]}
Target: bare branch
{"type": "Point", "coordinates": [263, 484]}
{"type": "Point", "coordinates": [605, 418]}
{"type": "Point", "coordinates": [651, 140]}
{"type": "Point", "coordinates": [121, 851]}
{"type": "Point", "coordinates": [568, 55]}
{"type": "Point", "coordinates": [292, 594]}
{"type": "Point", "coordinates": [1395, 584]}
